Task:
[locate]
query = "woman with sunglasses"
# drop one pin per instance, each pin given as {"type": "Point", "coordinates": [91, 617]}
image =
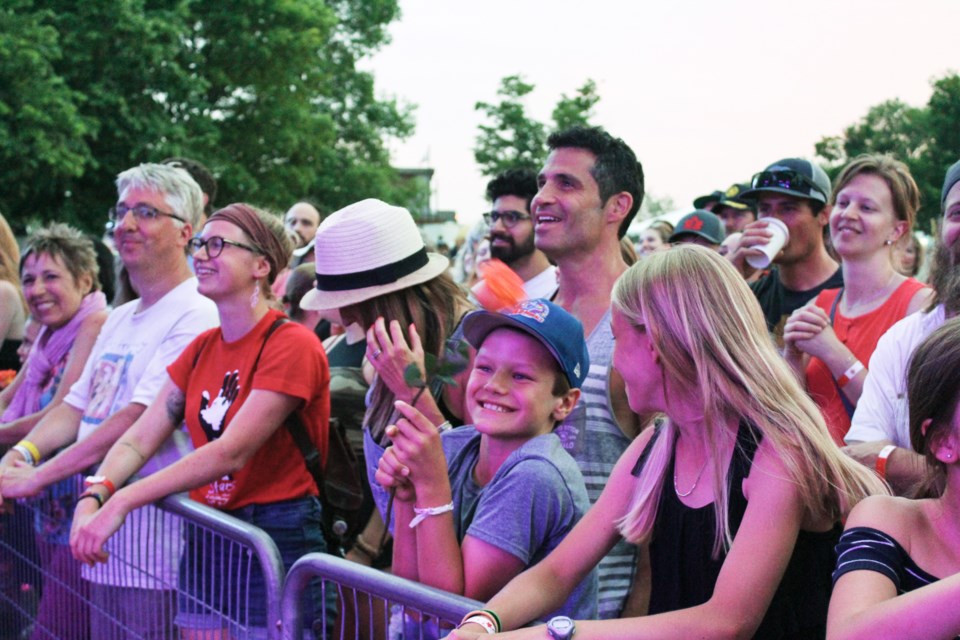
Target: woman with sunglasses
{"type": "Point", "coordinates": [236, 387]}
{"type": "Point", "coordinates": [898, 561]}
{"type": "Point", "coordinates": [830, 341]}
{"type": "Point", "coordinates": [736, 498]}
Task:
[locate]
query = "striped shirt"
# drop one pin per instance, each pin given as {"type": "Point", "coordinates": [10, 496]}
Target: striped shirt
{"type": "Point", "coordinates": [867, 549]}
{"type": "Point", "coordinates": [592, 436]}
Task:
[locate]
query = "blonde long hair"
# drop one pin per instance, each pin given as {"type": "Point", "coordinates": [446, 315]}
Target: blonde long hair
{"type": "Point", "coordinates": [709, 331]}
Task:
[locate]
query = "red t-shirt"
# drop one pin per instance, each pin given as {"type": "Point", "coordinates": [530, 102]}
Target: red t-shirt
{"type": "Point", "coordinates": [293, 363]}
{"type": "Point", "coordinates": [860, 335]}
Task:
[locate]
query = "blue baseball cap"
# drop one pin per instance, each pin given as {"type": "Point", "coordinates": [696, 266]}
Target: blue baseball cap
{"type": "Point", "coordinates": [552, 325]}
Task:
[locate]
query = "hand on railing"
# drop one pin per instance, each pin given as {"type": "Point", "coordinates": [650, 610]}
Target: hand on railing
{"type": "Point", "coordinates": [92, 527]}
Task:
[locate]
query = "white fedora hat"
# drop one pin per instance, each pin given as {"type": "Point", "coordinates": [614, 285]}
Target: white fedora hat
{"type": "Point", "coordinates": [368, 249]}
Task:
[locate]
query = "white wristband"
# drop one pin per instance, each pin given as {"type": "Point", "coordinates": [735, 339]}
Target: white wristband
{"type": "Point", "coordinates": [850, 374]}
{"type": "Point", "coordinates": [27, 455]}
{"type": "Point", "coordinates": [483, 621]}
{"type": "Point", "coordinates": [423, 514]}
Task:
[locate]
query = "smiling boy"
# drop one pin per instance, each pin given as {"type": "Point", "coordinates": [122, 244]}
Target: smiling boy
{"type": "Point", "coordinates": [479, 504]}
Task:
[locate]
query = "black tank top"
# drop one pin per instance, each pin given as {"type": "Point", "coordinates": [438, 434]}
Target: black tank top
{"type": "Point", "coordinates": [684, 571]}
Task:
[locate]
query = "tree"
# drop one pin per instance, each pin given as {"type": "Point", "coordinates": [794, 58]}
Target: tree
{"type": "Point", "coordinates": [512, 139]}
{"type": "Point", "coordinates": [265, 92]}
{"type": "Point", "coordinates": [926, 139]}
{"type": "Point", "coordinates": [576, 111]}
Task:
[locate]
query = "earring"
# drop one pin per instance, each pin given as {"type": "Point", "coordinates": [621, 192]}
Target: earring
{"type": "Point", "coordinates": [255, 296]}
{"type": "Point", "coordinates": [888, 242]}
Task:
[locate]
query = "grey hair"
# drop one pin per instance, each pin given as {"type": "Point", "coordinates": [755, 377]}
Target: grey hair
{"type": "Point", "coordinates": [180, 191]}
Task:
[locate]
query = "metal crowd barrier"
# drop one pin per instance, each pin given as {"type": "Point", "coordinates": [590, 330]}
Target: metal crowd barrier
{"type": "Point", "coordinates": [155, 573]}
{"type": "Point", "coordinates": [157, 569]}
{"type": "Point", "coordinates": [372, 605]}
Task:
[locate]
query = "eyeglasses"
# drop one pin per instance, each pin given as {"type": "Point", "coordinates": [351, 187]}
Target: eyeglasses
{"type": "Point", "coordinates": [215, 245]}
{"type": "Point", "coordinates": [788, 180]}
{"type": "Point", "coordinates": [141, 211]}
{"type": "Point", "coordinates": [509, 218]}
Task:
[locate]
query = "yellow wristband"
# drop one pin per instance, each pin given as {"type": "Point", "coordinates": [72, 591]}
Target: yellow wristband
{"type": "Point", "coordinates": [32, 448]}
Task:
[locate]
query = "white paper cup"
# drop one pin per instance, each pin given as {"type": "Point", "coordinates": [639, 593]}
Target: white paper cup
{"type": "Point", "coordinates": [773, 247]}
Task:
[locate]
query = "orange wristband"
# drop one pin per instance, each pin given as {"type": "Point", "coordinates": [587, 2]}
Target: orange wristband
{"type": "Point", "coordinates": [881, 465]}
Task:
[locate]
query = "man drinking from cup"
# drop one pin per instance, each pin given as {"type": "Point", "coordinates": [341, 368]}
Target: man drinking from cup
{"type": "Point", "coordinates": [795, 192]}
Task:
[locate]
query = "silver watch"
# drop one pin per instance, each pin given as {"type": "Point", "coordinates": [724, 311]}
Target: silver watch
{"type": "Point", "coordinates": [561, 628]}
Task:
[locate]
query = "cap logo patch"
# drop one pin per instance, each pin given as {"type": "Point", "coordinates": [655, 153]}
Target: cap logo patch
{"type": "Point", "coordinates": [694, 224]}
{"type": "Point", "coordinates": [576, 370]}
{"type": "Point", "coordinates": [533, 309]}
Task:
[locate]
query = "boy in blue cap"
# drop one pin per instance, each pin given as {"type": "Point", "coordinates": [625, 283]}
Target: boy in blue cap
{"type": "Point", "coordinates": [478, 504]}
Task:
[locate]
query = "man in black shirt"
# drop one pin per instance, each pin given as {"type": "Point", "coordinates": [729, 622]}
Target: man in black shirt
{"type": "Point", "coordinates": [797, 192]}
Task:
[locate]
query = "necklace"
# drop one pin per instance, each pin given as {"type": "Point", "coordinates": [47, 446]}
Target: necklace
{"type": "Point", "coordinates": [696, 480]}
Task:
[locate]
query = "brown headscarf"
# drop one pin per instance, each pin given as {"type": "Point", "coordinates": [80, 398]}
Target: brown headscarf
{"type": "Point", "coordinates": [249, 219]}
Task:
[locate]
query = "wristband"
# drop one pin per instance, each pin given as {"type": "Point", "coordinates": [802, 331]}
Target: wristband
{"type": "Point", "coordinates": [483, 621]}
{"type": "Point", "coordinates": [365, 548]}
{"type": "Point", "coordinates": [27, 455]}
{"type": "Point", "coordinates": [423, 514]}
{"type": "Point", "coordinates": [26, 445]}
{"type": "Point", "coordinates": [91, 494]}
{"type": "Point", "coordinates": [850, 374]}
{"type": "Point", "coordinates": [881, 465]}
{"type": "Point", "coordinates": [90, 481]}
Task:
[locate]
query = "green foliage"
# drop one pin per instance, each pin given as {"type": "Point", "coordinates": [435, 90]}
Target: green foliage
{"type": "Point", "coordinates": [512, 139]}
{"type": "Point", "coordinates": [444, 369]}
{"type": "Point", "coordinates": [926, 139]}
{"type": "Point", "coordinates": [576, 111]}
{"type": "Point", "coordinates": [264, 92]}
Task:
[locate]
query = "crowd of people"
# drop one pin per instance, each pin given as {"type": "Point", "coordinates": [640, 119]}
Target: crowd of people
{"type": "Point", "coordinates": [744, 426]}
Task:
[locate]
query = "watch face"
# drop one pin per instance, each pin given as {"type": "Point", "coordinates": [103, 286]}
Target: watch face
{"type": "Point", "coordinates": [561, 628]}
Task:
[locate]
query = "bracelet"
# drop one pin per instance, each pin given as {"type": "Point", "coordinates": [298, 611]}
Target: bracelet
{"type": "Point", "coordinates": [91, 481]}
{"type": "Point", "coordinates": [481, 620]}
{"type": "Point", "coordinates": [881, 465]}
{"type": "Point", "coordinates": [423, 514]}
{"type": "Point", "coordinates": [27, 456]}
{"type": "Point", "coordinates": [365, 547]}
{"type": "Point", "coordinates": [34, 453]}
{"type": "Point", "coordinates": [850, 374]}
{"type": "Point", "coordinates": [483, 613]}
{"type": "Point", "coordinates": [91, 494]}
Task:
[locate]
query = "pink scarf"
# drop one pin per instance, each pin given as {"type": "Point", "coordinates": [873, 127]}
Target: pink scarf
{"type": "Point", "coordinates": [44, 359]}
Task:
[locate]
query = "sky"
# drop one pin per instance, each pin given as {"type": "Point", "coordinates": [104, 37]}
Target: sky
{"type": "Point", "coordinates": [707, 93]}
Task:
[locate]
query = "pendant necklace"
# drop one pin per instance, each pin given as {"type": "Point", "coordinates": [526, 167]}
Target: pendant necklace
{"type": "Point", "coordinates": [694, 487]}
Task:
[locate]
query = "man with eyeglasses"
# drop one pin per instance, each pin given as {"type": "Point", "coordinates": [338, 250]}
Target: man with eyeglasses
{"type": "Point", "coordinates": [153, 223]}
{"type": "Point", "coordinates": [511, 231]}
{"type": "Point", "coordinates": [797, 192]}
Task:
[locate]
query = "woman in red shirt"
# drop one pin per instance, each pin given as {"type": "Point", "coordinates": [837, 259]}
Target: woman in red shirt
{"type": "Point", "coordinates": [235, 387]}
{"type": "Point", "coordinates": [830, 341]}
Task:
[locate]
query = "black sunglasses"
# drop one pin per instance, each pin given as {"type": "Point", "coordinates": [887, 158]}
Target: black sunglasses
{"type": "Point", "coordinates": [788, 180]}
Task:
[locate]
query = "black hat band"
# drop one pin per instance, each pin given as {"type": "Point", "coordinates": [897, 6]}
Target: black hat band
{"type": "Point", "coordinates": [385, 274]}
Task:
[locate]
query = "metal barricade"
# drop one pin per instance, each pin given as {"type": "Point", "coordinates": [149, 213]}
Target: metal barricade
{"type": "Point", "coordinates": [176, 563]}
{"type": "Point", "coordinates": [370, 602]}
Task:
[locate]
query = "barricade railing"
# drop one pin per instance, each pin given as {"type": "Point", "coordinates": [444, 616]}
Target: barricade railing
{"type": "Point", "coordinates": [182, 564]}
{"type": "Point", "coordinates": [175, 563]}
{"type": "Point", "coordinates": [372, 605]}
